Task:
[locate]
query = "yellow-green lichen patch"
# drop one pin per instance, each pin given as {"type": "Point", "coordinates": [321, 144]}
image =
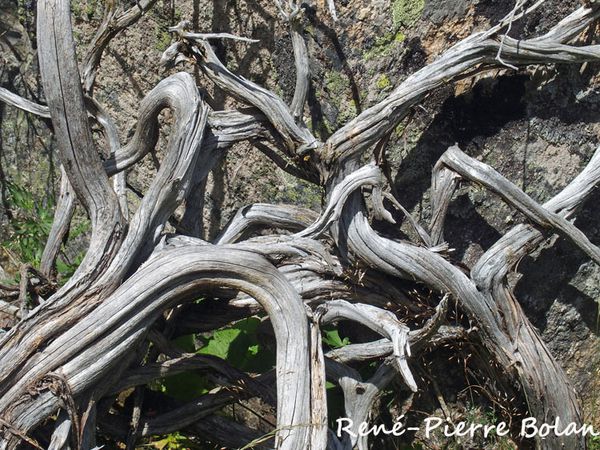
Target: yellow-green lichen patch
{"type": "Point", "coordinates": [383, 82]}
{"type": "Point", "coordinates": [406, 12]}
{"type": "Point", "coordinates": [337, 85]}
{"type": "Point", "coordinates": [384, 45]}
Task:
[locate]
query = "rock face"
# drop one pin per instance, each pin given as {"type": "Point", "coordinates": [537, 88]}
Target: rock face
{"type": "Point", "coordinates": [537, 127]}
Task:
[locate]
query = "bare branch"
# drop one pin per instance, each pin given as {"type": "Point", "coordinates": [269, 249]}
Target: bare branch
{"type": "Point", "coordinates": [111, 26]}
{"type": "Point", "coordinates": [24, 104]}
{"type": "Point", "coordinates": [63, 214]}
{"type": "Point", "coordinates": [298, 139]}
{"type": "Point", "coordinates": [381, 321]}
{"type": "Point", "coordinates": [262, 214]}
{"type": "Point", "coordinates": [473, 54]}
{"type": "Point", "coordinates": [87, 351]}
{"type": "Point", "coordinates": [302, 68]}
{"type": "Point", "coordinates": [77, 150]}
{"type": "Point", "coordinates": [474, 170]}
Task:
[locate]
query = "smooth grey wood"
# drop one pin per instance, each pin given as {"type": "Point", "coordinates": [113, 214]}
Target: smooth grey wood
{"type": "Point", "coordinates": [63, 214]}
{"type": "Point", "coordinates": [87, 349]}
{"type": "Point", "coordinates": [61, 80]}
{"type": "Point", "coordinates": [476, 53]}
{"type": "Point", "coordinates": [22, 103]}
{"type": "Point", "coordinates": [88, 341]}
{"type": "Point", "coordinates": [302, 63]}
{"type": "Point", "coordinates": [379, 320]}
{"type": "Point", "coordinates": [276, 216]}
{"type": "Point", "coordinates": [267, 102]}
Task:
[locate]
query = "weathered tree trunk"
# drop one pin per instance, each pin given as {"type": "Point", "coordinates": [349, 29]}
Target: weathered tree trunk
{"type": "Point", "coordinates": [83, 345]}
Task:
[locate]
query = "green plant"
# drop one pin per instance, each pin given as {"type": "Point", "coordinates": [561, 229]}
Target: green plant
{"type": "Point", "coordinates": [332, 338]}
{"type": "Point", "coordinates": [237, 344]}
{"type": "Point", "coordinates": [337, 85]}
{"type": "Point", "coordinates": [85, 9]}
{"type": "Point", "coordinates": [173, 441]}
{"type": "Point", "coordinates": [298, 192]}
{"type": "Point", "coordinates": [29, 229]}
{"type": "Point", "coordinates": [30, 226]}
{"type": "Point", "coordinates": [384, 45]}
{"type": "Point", "coordinates": [163, 40]}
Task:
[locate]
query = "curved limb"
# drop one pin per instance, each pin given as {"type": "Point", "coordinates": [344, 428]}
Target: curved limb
{"type": "Point", "coordinates": [297, 139]}
{"type": "Point", "coordinates": [165, 194]}
{"type": "Point", "coordinates": [265, 215]}
{"type": "Point", "coordinates": [65, 205]}
{"type": "Point", "coordinates": [417, 339]}
{"type": "Point", "coordinates": [444, 183]}
{"type": "Point", "coordinates": [494, 265]}
{"type": "Point", "coordinates": [367, 175]}
{"type": "Point", "coordinates": [474, 54]}
{"type": "Point", "coordinates": [400, 259]}
{"type": "Point", "coordinates": [111, 26]}
{"type": "Point", "coordinates": [63, 214]}
{"type": "Point", "coordinates": [379, 320]}
{"type": "Point", "coordinates": [302, 69]}
{"type": "Point", "coordinates": [93, 347]}
{"type": "Point", "coordinates": [77, 150]}
{"type": "Point", "coordinates": [483, 174]}
{"type": "Point", "coordinates": [24, 104]}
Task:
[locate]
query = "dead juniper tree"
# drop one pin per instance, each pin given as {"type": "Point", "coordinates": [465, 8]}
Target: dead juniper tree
{"type": "Point", "coordinates": [108, 328]}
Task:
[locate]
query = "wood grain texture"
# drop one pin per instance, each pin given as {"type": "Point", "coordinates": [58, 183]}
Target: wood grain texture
{"type": "Point", "coordinates": [111, 327]}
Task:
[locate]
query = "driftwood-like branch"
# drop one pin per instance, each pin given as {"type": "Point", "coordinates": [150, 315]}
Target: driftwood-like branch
{"type": "Point", "coordinates": [77, 150]}
{"type": "Point", "coordinates": [65, 207]}
{"type": "Point", "coordinates": [490, 275]}
{"type": "Point", "coordinates": [297, 137]}
{"type": "Point", "coordinates": [24, 104]}
{"type": "Point", "coordinates": [406, 260]}
{"type": "Point", "coordinates": [473, 54]}
{"type": "Point", "coordinates": [381, 321]}
{"type": "Point", "coordinates": [109, 328]}
{"type": "Point", "coordinates": [359, 397]}
{"type": "Point", "coordinates": [168, 189]}
{"type": "Point", "coordinates": [368, 175]}
{"type": "Point", "coordinates": [302, 63]}
{"type": "Point", "coordinates": [474, 170]}
{"type": "Point", "coordinates": [275, 216]}
{"type": "Point", "coordinates": [382, 348]}
{"type": "Point", "coordinates": [86, 352]}
{"type": "Point", "coordinates": [111, 26]}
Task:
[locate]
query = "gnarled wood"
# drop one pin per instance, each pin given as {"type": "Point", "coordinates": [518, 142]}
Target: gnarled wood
{"type": "Point", "coordinates": [109, 328]}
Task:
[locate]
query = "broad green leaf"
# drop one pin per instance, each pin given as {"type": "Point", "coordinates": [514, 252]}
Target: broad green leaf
{"type": "Point", "coordinates": [333, 339]}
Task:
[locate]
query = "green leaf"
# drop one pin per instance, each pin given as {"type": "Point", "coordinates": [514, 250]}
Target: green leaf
{"type": "Point", "coordinates": [173, 441]}
{"type": "Point", "coordinates": [333, 339]}
{"type": "Point", "coordinates": [186, 343]}
{"type": "Point", "coordinates": [239, 346]}
{"type": "Point", "coordinates": [220, 343]}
